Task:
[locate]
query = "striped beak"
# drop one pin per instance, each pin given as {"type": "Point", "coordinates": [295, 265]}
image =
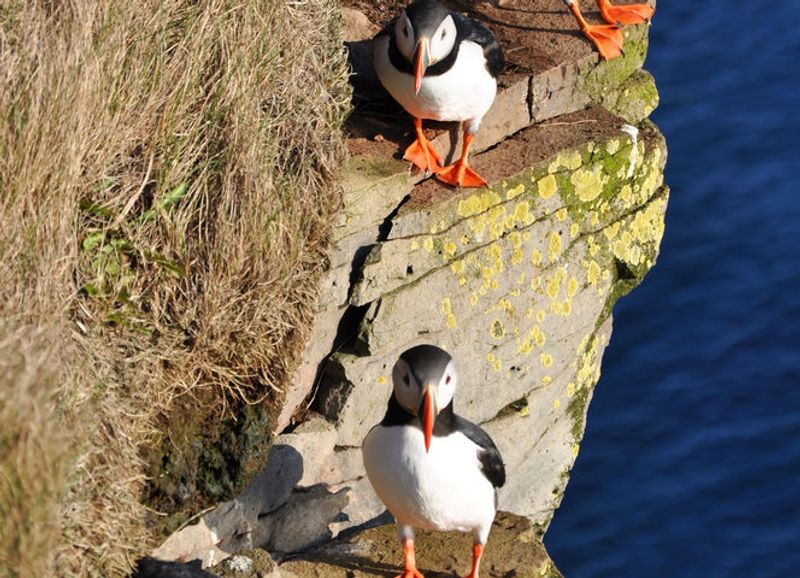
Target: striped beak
{"type": "Point", "coordinates": [422, 59]}
{"type": "Point", "coordinates": [429, 411]}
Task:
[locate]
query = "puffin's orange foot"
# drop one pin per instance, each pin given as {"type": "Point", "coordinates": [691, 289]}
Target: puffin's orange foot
{"type": "Point", "coordinates": [607, 38]}
{"type": "Point", "coordinates": [477, 554]}
{"type": "Point", "coordinates": [625, 14]}
{"type": "Point", "coordinates": [460, 175]}
{"type": "Point", "coordinates": [422, 154]}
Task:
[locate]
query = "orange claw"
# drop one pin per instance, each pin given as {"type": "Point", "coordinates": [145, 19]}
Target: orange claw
{"type": "Point", "coordinates": [409, 561]}
{"type": "Point", "coordinates": [459, 174]}
{"type": "Point", "coordinates": [625, 14]}
{"type": "Point", "coordinates": [421, 152]}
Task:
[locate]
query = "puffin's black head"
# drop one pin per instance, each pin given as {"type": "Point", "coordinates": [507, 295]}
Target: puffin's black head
{"type": "Point", "coordinates": [424, 379]}
{"type": "Point", "coordinates": [425, 33]}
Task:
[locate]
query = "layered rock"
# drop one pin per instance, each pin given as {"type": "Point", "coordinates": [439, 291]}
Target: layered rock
{"type": "Point", "coordinates": [516, 280]}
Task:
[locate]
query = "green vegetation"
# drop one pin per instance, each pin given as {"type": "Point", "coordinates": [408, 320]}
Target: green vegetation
{"type": "Point", "coordinates": [168, 176]}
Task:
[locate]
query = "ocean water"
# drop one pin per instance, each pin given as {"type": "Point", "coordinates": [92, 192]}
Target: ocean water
{"type": "Point", "coordinates": [691, 462]}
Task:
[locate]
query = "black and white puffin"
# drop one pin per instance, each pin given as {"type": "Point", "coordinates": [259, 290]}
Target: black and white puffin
{"type": "Point", "coordinates": [432, 468]}
{"type": "Point", "coordinates": [607, 38]}
{"type": "Point", "coordinates": [439, 65]}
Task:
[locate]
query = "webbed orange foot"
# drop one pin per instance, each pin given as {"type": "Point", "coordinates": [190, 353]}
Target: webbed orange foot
{"type": "Point", "coordinates": [421, 152]}
{"type": "Point", "coordinates": [460, 175]}
{"type": "Point", "coordinates": [626, 13]}
{"type": "Point", "coordinates": [607, 38]}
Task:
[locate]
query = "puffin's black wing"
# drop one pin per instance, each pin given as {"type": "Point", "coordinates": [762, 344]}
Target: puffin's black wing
{"type": "Point", "coordinates": [476, 32]}
{"type": "Point", "coordinates": [491, 461]}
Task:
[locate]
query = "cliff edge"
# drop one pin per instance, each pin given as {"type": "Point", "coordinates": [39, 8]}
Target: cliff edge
{"type": "Point", "coordinates": [517, 280]}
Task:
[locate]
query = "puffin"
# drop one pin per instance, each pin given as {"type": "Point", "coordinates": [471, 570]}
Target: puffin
{"type": "Point", "coordinates": [439, 65]}
{"type": "Point", "coordinates": [607, 38]}
{"type": "Point", "coordinates": [432, 468]}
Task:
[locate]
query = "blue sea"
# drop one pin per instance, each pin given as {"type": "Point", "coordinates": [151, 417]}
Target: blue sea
{"type": "Point", "coordinates": [691, 462]}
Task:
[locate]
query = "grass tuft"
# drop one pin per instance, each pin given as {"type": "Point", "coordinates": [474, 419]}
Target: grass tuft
{"type": "Point", "coordinates": [168, 179]}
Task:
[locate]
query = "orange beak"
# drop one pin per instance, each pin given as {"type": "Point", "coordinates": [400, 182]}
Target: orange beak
{"type": "Point", "coordinates": [422, 60]}
{"type": "Point", "coordinates": [428, 416]}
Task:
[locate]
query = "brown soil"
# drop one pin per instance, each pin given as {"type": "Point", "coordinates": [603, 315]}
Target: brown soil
{"type": "Point", "coordinates": [513, 550]}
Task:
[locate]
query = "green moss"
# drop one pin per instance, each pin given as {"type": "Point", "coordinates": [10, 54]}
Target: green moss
{"type": "Point", "coordinates": [607, 76]}
{"type": "Point", "coordinates": [211, 459]}
{"type": "Point", "coordinates": [635, 99]}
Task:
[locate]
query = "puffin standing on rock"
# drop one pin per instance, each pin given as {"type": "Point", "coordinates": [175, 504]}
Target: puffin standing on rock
{"type": "Point", "coordinates": [432, 468]}
{"type": "Point", "coordinates": [439, 65]}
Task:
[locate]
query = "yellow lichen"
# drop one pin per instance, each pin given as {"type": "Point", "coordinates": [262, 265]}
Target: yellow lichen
{"type": "Point", "coordinates": [593, 273]}
{"type": "Point", "coordinates": [494, 362]}
{"type": "Point", "coordinates": [536, 257]}
{"type": "Point", "coordinates": [561, 214]}
{"type": "Point", "coordinates": [546, 359]}
{"type": "Point", "coordinates": [522, 213]}
{"type": "Point", "coordinates": [572, 160]}
{"type": "Point", "coordinates": [447, 309]}
{"type": "Point", "coordinates": [563, 308]}
{"type": "Point", "coordinates": [588, 183]}
{"type": "Point", "coordinates": [427, 244]}
{"type": "Point", "coordinates": [572, 287]}
{"type": "Point", "coordinates": [381, 380]}
{"type": "Point", "coordinates": [570, 389]}
{"type": "Point", "coordinates": [449, 248]}
{"type": "Point", "coordinates": [547, 186]}
{"type": "Point", "coordinates": [538, 336]}
{"type": "Point", "coordinates": [574, 229]}
{"type": "Point", "coordinates": [556, 404]}
{"type": "Point", "coordinates": [553, 246]}
{"type": "Point", "coordinates": [515, 192]}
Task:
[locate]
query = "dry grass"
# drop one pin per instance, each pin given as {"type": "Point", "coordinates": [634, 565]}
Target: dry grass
{"type": "Point", "coordinates": [167, 184]}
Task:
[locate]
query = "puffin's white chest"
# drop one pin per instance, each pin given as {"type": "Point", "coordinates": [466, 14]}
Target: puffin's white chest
{"type": "Point", "coordinates": [443, 489]}
{"type": "Point", "coordinates": [463, 93]}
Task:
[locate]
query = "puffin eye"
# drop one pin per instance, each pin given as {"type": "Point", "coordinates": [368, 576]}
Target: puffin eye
{"type": "Point", "coordinates": [444, 33]}
{"type": "Point", "coordinates": [405, 31]}
{"type": "Point", "coordinates": [406, 380]}
{"type": "Point", "coordinates": [447, 380]}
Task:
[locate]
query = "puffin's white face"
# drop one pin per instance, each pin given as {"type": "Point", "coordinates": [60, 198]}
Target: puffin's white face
{"type": "Point", "coordinates": [443, 40]}
{"type": "Point", "coordinates": [410, 394]}
{"type": "Point", "coordinates": [439, 44]}
{"type": "Point", "coordinates": [404, 36]}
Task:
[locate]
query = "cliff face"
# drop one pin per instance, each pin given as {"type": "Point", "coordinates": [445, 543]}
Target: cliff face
{"type": "Point", "coordinates": [516, 280]}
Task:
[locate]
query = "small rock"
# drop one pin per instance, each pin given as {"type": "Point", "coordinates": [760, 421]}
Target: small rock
{"type": "Point", "coordinates": [239, 563]}
{"type": "Point", "coordinates": [356, 26]}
